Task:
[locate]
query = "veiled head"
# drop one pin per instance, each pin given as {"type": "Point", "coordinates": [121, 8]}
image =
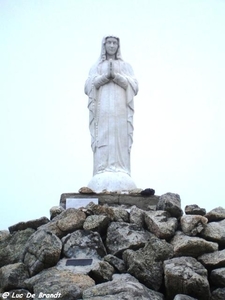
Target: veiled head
{"type": "Point", "coordinates": [103, 50]}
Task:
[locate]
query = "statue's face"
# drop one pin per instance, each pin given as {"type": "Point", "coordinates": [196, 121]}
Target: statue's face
{"type": "Point", "coordinates": [111, 46]}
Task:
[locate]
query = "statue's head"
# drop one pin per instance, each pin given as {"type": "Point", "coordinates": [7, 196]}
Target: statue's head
{"type": "Point", "coordinates": [110, 45]}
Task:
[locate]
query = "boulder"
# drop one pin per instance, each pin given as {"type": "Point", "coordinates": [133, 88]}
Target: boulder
{"type": "Point", "coordinates": [128, 236]}
{"type": "Point", "coordinates": [102, 272]}
{"type": "Point", "coordinates": [52, 281]}
{"type": "Point", "coordinates": [12, 246]}
{"type": "Point", "coordinates": [184, 245]}
{"type": "Point", "coordinates": [161, 224]}
{"type": "Point", "coordinates": [194, 209]}
{"type": "Point", "coordinates": [117, 263]}
{"type": "Point", "coordinates": [218, 294]}
{"type": "Point", "coordinates": [137, 216]}
{"type": "Point", "coordinates": [215, 231]}
{"type": "Point", "coordinates": [193, 224]}
{"type": "Point", "coordinates": [170, 202]}
{"type": "Point", "coordinates": [42, 251]}
{"type": "Point", "coordinates": [120, 214]}
{"type": "Point", "coordinates": [217, 277]}
{"type": "Point", "coordinates": [4, 234]}
{"type": "Point", "coordinates": [213, 260]}
{"type": "Point", "coordinates": [34, 224]}
{"type": "Point", "coordinates": [55, 211]}
{"type": "Point", "coordinates": [96, 209]}
{"type": "Point", "coordinates": [12, 276]}
{"type": "Point", "coordinates": [69, 220]}
{"type": "Point", "coordinates": [97, 223]}
{"type": "Point", "coordinates": [122, 287]}
{"type": "Point", "coordinates": [146, 264]}
{"type": "Point", "coordinates": [185, 275]}
{"type": "Point", "coordinates": [216, 214]}
{"type": "Point", "coordinates": [83, 244]}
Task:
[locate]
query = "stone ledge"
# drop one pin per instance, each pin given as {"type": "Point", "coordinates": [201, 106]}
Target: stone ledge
{"type": "Point", "coordinates": [142, 202]}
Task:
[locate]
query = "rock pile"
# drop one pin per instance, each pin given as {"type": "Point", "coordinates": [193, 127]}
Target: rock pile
{"type": "Point", "coordinates": [101, 252]}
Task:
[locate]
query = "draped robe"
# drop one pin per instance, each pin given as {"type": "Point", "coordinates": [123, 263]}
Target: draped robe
{"type": "Point", "coordinates": [111, 112]}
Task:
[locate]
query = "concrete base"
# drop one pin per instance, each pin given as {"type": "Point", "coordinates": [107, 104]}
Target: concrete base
{"type": "Point", "coordinates": [111, 182]}
{"type": "Point", "coordinates": [113, 199]}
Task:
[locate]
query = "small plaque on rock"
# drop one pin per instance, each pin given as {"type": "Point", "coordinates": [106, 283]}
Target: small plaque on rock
{"type": "Point", "coordinates": [79, 262]}
{"type": "Point", "coordinates": [79, 202]}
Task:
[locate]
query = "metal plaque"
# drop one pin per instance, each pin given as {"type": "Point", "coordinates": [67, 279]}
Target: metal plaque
{"type": "Point", "coordinates": [79, 262]}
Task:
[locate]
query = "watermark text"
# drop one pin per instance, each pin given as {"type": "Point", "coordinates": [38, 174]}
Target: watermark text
{"type": "Point", "coordinates": [41, 295]}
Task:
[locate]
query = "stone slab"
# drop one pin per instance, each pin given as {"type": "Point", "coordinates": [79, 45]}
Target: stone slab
{"type": "Point", "coordinates": [113, 199]}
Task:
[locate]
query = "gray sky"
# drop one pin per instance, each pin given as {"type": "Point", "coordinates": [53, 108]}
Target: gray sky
{"type": "Point", "coordinates": [177, 51]}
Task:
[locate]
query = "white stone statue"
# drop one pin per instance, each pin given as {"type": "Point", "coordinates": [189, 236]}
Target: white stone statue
{"type": "Point", "coordinates": [111, 87]}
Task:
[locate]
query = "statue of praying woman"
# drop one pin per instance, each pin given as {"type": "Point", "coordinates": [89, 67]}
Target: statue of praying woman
{"type": "Point", "coordinates": [111, 87]}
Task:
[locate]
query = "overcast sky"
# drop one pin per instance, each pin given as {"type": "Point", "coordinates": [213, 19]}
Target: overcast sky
{"type": "Point", "coordinates": [177, 51]}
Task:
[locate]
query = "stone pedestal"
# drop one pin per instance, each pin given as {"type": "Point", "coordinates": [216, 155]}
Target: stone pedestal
{"type": "Point", "coordinates": [113, 199]}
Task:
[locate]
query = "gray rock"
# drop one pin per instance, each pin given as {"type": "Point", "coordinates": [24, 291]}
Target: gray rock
{"type": "Point", "coordinates": [13, 245]}
{"type": "Point", "coordinates": [213, 260]}
{"type": "Point", "coordinates": [216, 214]}
{"type": "Point", "coordinates": [193, 224]}
{"type": "Point", "coordinates": [55, 211]}
{"type": "Point", "coordinates": [161, 224]}
{"type": "Point", "coordinates": [90, 205]}
{"type": "Point", "coordinates": [137, 216]}
{"type": "Point", "coordinates": [215, 231]}
{"type": "Point", "coordinates": [12, 276]}
{"type": "Point", "coordinates": [218, 294]}
{"type": "Point", "coordinates": [122, 236]}
{"type": "Point", "coordinates": [135, 191]}
{"type": "Point", "coordinates": [86, 190]}
{"type": "Point", "coordinates": [69, 220]}
{"type": "Point", "coordinates": [95, 209]}
{"type": "Point", "coordinates": [120, 214]}
{"type": "Point", "coordinates": [97, 223]}
{"type": "Point", "coordinates": [184, 245]}
{"type": "Point", "coordinates": [183, 297]}
{"type": "Point", "coordinates": [122, 287]}
{"type": "Point", "coordinates": [42, 251]}
{"type": "Point", "coordinates": [146, 264]}
{"type": "Point", "coordinates": [34, 224]}
{"type": "Point", "coordinates": [170, 202]}
{"type": "Point", "coordinates": [53, 281]}
{"type": "Point", "coordinates": [194, 209]}
{"type": "Point", "coordinates": [185, 275]}
{"type": "Point", "coordinates": [102, 272]}
{"type": "Point", "coordinates": [117, 263]}
{"type": "Point", "coordinates": [217, 277]}
{"type": "Point", "coordinates": [4, 234]}
{"type": "Point", "coordinates": [83, 244]}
